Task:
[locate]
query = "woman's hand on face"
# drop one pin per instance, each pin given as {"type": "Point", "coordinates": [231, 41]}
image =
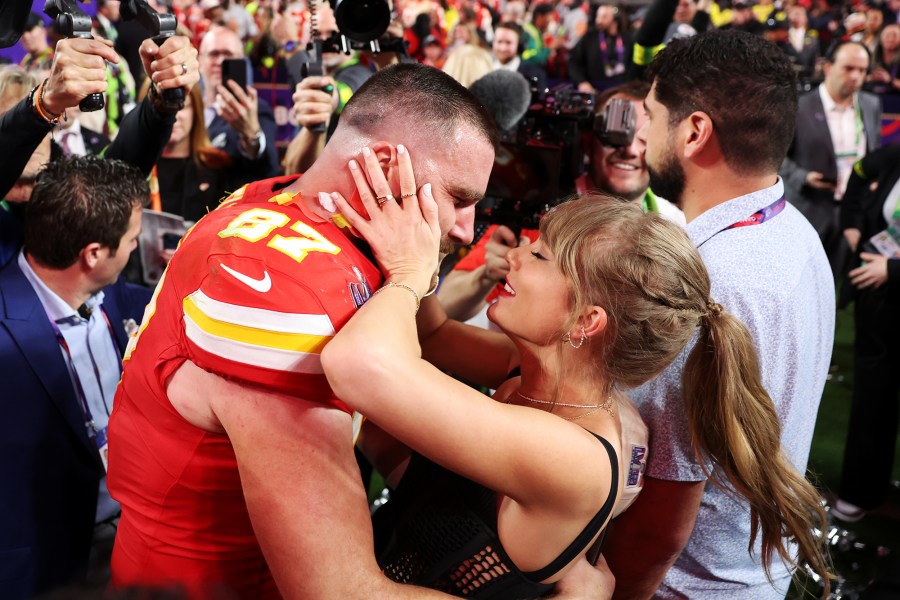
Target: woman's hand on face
{"type": "Point", "coordinates": [404, 232]}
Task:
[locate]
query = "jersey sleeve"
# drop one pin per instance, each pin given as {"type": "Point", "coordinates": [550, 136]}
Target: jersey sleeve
{"type": "Point", "coordinates": [251, 322]}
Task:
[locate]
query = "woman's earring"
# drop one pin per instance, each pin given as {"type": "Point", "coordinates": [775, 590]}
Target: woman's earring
{"type": "Point", "coordinates": [568, 338]}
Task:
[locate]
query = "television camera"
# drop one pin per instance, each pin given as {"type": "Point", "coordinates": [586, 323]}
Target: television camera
{"type": "Point", "coordinates": [538, 162]}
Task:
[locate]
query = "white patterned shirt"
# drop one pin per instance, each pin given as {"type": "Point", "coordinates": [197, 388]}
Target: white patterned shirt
{"type": "Point", "coordinates": [776, 279]}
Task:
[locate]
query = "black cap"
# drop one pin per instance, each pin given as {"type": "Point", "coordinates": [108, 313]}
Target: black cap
{"type": "Point", "coordinates": [33, 21]}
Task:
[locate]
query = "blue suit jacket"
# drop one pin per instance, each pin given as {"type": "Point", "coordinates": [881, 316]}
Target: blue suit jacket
{"type": "Point", "coordinates": [49, 468]}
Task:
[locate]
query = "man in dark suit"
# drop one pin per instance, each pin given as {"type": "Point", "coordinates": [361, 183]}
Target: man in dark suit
{"type": "Point", "coordinates": [64, 323]}
{"type": "Point", "coordinates": [837, 124]}
{"type": "Point", "coordinates": [237, 120]}
{"type": "Point", "coordinates": [801, 45]}
{"type": "Point", "coordinates": [872, 429]}
{"type": "Point", "coordinates": [506, 51]}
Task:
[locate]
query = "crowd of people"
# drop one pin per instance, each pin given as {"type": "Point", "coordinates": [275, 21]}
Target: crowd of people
{"type": "Point", "coordinates": [654, 349]}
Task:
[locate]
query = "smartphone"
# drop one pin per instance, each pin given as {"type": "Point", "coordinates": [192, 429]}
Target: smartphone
{"type": "Point", "coordinates": [170, 240]}
{"type": "Point", "coordinates": [235, 69]}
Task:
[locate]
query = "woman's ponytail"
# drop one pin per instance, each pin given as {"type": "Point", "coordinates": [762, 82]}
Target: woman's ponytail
{"type": "Point", "coordinates": [734, 423]}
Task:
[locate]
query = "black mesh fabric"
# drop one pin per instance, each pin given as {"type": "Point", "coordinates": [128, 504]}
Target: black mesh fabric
{"type": "Point", "coordinates": [439, 531]}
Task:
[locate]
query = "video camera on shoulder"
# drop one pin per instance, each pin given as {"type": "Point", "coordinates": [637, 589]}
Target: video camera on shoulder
{"type": "Point", "coordinates": [538, 160]}
{"type": "Point", "coordinates": [616, 126]}
{"type": "Point", "coordinates": [361, 25]}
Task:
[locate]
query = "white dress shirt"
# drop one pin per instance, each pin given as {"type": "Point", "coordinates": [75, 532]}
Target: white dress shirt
{"type": "Point", "coordinates": [91, 344]}
{"type": "Point", "coordinates": [848, 136]}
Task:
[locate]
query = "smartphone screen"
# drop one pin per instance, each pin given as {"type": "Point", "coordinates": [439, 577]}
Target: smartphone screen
{"type": "Point", "coordinates": [170, 240]}
{"type": "Point", "coordinates": [235, 69]}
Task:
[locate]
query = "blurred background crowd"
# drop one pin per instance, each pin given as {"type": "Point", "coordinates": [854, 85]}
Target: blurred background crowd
{"type": "Point", "coordinates": [278, 115]}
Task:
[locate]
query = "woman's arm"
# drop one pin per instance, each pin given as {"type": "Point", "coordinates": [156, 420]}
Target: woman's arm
{"type": "Point", "coordinates": [477, 355]}
{"type": "Point", "coordinates": [375, 365]}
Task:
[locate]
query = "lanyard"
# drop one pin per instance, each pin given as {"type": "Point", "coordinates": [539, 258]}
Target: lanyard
{"type": "Point", "coordinates": [604, 54]}
{"type": "Point", "coordinates": [761, 216]}
{"type": "Point", "coordinates": [860, 127]}
{"type": "Point", "coordinates": [70, 366]}
{"type": "Point", "coordinates": [648, 202]}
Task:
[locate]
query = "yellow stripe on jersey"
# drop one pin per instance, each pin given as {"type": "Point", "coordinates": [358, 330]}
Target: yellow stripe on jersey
{"type": "Point", "coordinates": [255, 336]}
{"type": "Point", "coordinates": [291, 341]}
{"type": "Point", "coordinates": [261, 318]}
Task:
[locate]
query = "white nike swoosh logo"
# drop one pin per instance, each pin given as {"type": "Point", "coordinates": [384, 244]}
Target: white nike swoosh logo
{"type": "Point", "coordinates": [260, 285]}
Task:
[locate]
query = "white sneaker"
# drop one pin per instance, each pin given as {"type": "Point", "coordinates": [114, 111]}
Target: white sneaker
{"type": "Point", "coordinates": [847, 512]}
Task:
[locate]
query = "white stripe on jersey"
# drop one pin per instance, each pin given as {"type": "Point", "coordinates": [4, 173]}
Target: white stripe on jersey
{"type": "Point", "coordinates": [259, 318]}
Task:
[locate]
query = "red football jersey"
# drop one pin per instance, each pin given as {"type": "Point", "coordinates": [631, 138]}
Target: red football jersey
{"type": "Point", "coordinates": [254, 292]}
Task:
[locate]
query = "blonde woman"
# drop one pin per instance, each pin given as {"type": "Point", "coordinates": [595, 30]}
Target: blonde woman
{"type": "Point", "coordinates": [502, 497]}
{"type": "Point", "coordinates": [468, 63]}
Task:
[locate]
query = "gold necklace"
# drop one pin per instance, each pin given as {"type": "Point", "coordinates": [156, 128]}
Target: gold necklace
{"type": "Point", "coordinates": [606, 405]}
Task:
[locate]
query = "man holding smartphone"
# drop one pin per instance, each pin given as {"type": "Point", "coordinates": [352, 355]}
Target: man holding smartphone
{"type": "Point", "coordinates": [837, 124]}
{"type": "Point", "coordinates": [237, 121]}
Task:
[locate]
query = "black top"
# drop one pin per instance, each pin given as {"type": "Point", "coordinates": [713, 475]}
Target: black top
{"type": "Point", "coordinates": [191, 190]}
{"type": "Point", "coordinates": [439, 530]}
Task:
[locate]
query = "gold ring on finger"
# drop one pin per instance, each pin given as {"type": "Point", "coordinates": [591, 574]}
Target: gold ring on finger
{"type": "Point", "coordinates": [382, 199]}
{"type": "Point", "coordinates": [408, 196]}
{"type": "Point", "coordinates": [184, 69]}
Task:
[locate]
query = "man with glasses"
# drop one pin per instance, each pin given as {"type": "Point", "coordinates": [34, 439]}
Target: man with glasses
{"type": "Point", "coordinates": [237, 120]}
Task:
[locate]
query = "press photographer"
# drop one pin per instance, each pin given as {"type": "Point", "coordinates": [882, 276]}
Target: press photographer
{"type": "Point", "coordinates": [350, 40]}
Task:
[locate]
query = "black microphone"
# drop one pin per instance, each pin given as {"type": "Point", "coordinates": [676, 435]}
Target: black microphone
{"type": "Point", "coordinates": [505, 94]}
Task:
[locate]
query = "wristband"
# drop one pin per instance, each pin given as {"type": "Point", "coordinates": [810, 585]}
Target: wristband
{"type": "Point", "coordinates": [36, 101]}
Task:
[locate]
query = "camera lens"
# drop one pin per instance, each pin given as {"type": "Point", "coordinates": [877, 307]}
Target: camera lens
{"type": "Point", "coordinates": [362, 20]}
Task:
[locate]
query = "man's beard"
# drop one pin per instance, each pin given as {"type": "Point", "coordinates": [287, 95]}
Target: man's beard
{"type": "Point", "coordinates": [668, 182]}
{"type": "Point", "coordinates": [447, 246]}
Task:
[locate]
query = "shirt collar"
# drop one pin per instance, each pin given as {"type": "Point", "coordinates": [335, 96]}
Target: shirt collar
{"type": "Point", "coordinates": [55, 307]}
{"type": "Point", "coordinates": [828, 102]}
{"type": "Point", "coordinates": [512, 65]}
{"type": "Point", "coordinates": [74, 129]}
{"type": "Point", "coordinates": [732, 211]}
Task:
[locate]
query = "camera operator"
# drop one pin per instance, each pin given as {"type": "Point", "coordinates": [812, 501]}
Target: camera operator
{"type": "Point", "coordinates": [469, 288]}
{"type": "Point", "coordinates": [319, 100]}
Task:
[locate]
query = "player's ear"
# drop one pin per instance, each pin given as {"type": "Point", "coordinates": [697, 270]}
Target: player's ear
{"type": "Point", "coordinates": [386, 153]}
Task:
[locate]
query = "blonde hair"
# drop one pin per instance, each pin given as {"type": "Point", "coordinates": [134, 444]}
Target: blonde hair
{"type": "Point", "coordinates": [648, 276]}
{"type": "Point", "coordinates": [15, 84]}
{"type": "Point", "coordinates": [468, 63]}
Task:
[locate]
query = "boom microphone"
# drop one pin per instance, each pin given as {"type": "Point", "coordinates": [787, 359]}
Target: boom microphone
{"type": "Point", "coordinates": [505, 94]}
